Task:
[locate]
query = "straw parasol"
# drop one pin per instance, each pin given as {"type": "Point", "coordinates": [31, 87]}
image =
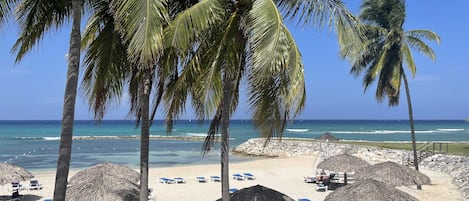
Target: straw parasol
{"type": "Point", "coordinates": [258, 193]}
{"type": "Point", "coordinates": [11, 173]}
{"type": "Point", "coordinates": [369, 190]}
{"type": "Point", "coordinates": [393, 174]}
{"type": "Point", "coordinates": [104, 182]}
{"type": "Point", "coordinates": [327, 136]}
{"type": "Point", "coordinates": [343, 163]}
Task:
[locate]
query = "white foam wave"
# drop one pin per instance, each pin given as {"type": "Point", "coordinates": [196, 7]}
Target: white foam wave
{"type": "Point", "coordinates": [451, 129]}
{"type": "Point", "coordinates": [298, 130]}
{"type": "Point", "coordinates": [397, 131]}
{"type": "Point", "coordinates": [200, 134]}
{"type": "Point", "coordinates": [51, 138]}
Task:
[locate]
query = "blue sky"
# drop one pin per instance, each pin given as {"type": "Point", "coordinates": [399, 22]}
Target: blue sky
{"type": "Point", "coordinates": [34, 88]}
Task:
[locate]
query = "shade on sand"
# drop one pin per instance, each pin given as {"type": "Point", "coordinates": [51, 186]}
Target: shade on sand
{"type": "Point", "coordinates": [258, 193]}
{"type": "Point", "coordinates": [10, 173]}
{"type": "Point", "coordinates": [393, 174]}
{"type": "Point", "coordinates": [367, 190]}
{"type": "Point", "coordinates": [104, 182]}
{"type": "Point", "coordinates": [327, 136]}
{"type": "Point", "coordinates": [343, 163]}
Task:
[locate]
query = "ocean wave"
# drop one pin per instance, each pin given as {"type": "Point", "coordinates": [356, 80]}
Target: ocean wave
{"type": "Point", "coordinates": [51, 138]}
{"type": "Point", "coordinates": [298, 130]}
{"type": "Point", "coordinates": [200, 134]}
{"type": "Point", "coordinates": [446, 130]}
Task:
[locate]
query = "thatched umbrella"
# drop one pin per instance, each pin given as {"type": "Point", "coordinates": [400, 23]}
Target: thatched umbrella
{"type": "Point", "coordinates": [343, 163]}
{"type": "Point", "coordinates": [327, 136]}
{"type": "Point", "coordinates": [104, 182]}
{"type": "Point", "coordinates": [393, 174]}
{"type": "Point", "coordinates": [369, 189]}
{"type": "Point", "coordinates": [258, 193]}
{"type": "Point", "coordinates": [12, 173]}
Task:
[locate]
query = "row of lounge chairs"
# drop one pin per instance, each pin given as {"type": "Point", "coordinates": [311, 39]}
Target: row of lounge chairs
{"type": "Point", "coordinates": [202, 179]}
{"type": "Point", "coordinates": [33, 185]}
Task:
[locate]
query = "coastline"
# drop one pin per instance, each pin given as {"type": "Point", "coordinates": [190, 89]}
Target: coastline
{"type": "Point", "coordinates": [282, 172]}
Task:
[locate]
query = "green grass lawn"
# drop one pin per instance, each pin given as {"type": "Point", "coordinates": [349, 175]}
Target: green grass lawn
{"type": "Point", "coordinates": [454, 148]}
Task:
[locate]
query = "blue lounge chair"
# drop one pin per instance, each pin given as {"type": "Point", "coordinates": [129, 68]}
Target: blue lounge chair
{"type": "Point", "coordinates": [215, 178]}
{"type": "Point", "coordinates": [232, 190]}
{"type": "Point", "coordinates": [238, 177]}
{"type": "Point", "coordinates": [249, 176]}
{"type": "Point", "coordinates": [304, 199]}
{"type": "Point", "coordinates": [34, 185]}
{"type": "Point", "coordinates": [201, 179]}
{"type": "Point", "coordinates": [179, 180]}
{"type": "Point", "coordinates": [167, 181]}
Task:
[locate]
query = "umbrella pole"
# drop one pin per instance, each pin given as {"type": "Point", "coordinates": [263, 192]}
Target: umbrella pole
{"type": "Point", "coordinates": [345, 178]}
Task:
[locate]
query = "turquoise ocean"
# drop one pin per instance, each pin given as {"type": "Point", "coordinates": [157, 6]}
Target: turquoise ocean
{"type": "Point", "coordinates": [34, 144]}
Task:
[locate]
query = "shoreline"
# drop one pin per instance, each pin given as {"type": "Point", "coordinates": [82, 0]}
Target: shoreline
{"type": "Point", "coordinates": [282, 174]}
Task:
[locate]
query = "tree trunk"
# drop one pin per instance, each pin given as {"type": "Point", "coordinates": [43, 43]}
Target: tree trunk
{"type": "Point", "coordinates": [225, 152]}
{"type": "Point", "coordinates": [68, 114]}
{"type": "Point", "coordinates": [411, 121]}
{"type": "Point", "coordinates": [145, 137]}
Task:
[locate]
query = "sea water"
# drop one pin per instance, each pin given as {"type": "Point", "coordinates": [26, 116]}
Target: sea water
{"type": "Point", "coordinates": [34, 144]}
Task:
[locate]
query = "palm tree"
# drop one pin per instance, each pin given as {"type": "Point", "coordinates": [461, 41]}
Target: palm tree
{"type": "Point", "coordinates": [219, 43]}
{"type": "Point", "coordinates": [385, 52]}
{"type": "Point", "coordinates": [35, 18]}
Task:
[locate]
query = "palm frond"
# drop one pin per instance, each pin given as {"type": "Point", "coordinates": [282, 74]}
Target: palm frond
{"type": "Point", "coordinates": [142, 23]}
{"type": "Point", "coordinates": [35, 18]}
{"type": "Point", "coordinates": [409, 59]}
{"type": "Point", "coordinates": [192, 22]}
{"type": "Point", "coordinates": [106, 65]}
{"type": "Point", "coordinates": [418, 44]}
{"type": "Point", "coordinates": [6, 8]}
{"type": "Point", "coordinates": [427, 34]}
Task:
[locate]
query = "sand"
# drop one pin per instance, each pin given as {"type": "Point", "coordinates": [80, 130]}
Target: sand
{"type": "Point", "coordinates": [282, 174]}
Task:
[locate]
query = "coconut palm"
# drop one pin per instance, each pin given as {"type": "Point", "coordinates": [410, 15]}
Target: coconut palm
{"type": "Point", "coordinates": [223, 42]}
{"type": "Point", "coordinates": [6, 6]}
{"type": "Point", "coordinates": [35, 18]}
{"type": "Point", "coordinates": [386, 51]}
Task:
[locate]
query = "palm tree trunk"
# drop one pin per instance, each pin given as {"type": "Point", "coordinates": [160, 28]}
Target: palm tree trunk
{"type": "Point", "coordinates": [68, 114]}
{"type": "Point", "coordinates": [411, 121]}
{"type": "Point", "coordinates": [225, 123]}
{"type": "Point", "coordinates": [145, 138]}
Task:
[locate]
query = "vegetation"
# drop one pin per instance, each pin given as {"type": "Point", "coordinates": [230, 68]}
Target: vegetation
{"type": "Point", "coordinates": [385, 52]}
{"type": "Point", "coordinates": [454, 148]}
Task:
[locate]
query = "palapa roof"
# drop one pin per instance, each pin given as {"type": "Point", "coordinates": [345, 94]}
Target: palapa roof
{"type": "Point", "coordinates": [327, 136]}
{"type": "Point", "coordinates": [11, 173]}
{"type": "Point", "coordinates": [367, 190]}
{"type": "Point", "coordinates": [258, 193]}
{"type": "Point", "coordinates": [104, 182]}
{"type": "Point", "coordinates": [393, 174]}
{"type": "Point", "coordinates": [343, 163]}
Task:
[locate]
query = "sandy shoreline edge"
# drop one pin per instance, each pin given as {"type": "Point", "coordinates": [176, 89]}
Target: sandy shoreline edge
{"type": "Point", "coordinates": [284, 174]}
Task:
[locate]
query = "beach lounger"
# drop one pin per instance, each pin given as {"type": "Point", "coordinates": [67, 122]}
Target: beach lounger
{"type": "Point", "coordinates": [215, 178]}
{"type": "Point", "coordinates": [238, 177]}
{"type": "Point", "coordinates": [232, 190]}
{"type": "Point", "coordinates": [321, 186]}
{"type": "Point", "coordinates": [16, 186]}
{"type": "Point", "coordinates": [304, 199]}
{"type": "Point", "coordinates": [309, 179]}
{"type": "Point", "coordinates": [179, 180]}
{"type": "Point", "coordinates": [201, 179]}
{"type": "Point", "coordinates": [249, 176]}
{"type": "Point", "coordinates": [34, 185]}
{"type": "Point", "coordinates": [167, 181]}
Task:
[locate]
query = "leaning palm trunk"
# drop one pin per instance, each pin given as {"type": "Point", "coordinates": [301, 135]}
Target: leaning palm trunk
{"type": "Point", "coordinates": [68, 115]}
{"type": "Point", "coordinates": [225, 124]}
{"type": "Point", "coordinates": [145, 137]}
{"type": "Point", "coordinates": [412, 129]}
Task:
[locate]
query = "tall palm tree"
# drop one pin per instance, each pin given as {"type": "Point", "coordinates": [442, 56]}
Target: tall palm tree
{"type": "Point", "coordinates": [386, 51]}
{"type": "Point", "coordinates": [223, 42]}
{"type": "Point", "coordinates": [35, 18]}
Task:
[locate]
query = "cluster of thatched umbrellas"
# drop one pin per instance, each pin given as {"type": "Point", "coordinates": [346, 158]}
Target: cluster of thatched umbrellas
{"type": "Point", "coordinates": [374, 182]}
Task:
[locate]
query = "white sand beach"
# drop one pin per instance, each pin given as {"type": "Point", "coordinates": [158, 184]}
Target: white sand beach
{"type": "Point", "coordinates": [282, 174]}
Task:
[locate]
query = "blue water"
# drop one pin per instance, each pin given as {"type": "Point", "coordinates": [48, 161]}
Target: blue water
{"type": "Point", "coordinates": [34, 144]}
